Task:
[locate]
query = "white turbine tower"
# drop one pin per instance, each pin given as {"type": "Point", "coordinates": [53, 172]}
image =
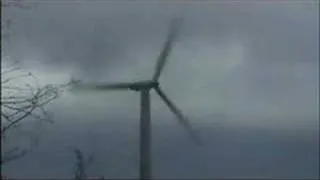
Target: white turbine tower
{"type": "Point", "coordinates": [144, 88]}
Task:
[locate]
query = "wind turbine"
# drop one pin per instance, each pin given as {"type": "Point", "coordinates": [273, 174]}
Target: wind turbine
{"type": "Point", "coordinates": [144, 87]}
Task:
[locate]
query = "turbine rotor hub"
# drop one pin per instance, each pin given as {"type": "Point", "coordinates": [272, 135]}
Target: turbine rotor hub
{"type": "Point", "coordinates": [144, 85]}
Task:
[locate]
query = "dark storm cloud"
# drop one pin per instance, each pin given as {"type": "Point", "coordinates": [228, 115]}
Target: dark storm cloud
{"type": "Point", "coordinates": [92, 34]}
{"type": "Point", "coordinates": [237, 56]}
{"type": "Point", "coordinates": [112, 41]}
{"type": "Point", "coordinates": [256, 58]}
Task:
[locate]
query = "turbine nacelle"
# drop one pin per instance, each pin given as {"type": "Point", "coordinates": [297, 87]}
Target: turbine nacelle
{"type": "Point", "coordinates": [144, 85]}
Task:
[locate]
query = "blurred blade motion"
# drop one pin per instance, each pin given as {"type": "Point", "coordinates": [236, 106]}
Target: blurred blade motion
{"type": "Point", "coordinates": [97, 87]}
{"type": "Point", "coordinates": [173, 31]}
{"type": "Point", "coordinates": [182, 120]}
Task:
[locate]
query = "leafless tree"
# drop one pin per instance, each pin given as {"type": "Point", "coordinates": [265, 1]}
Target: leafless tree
{"type": "Point", "coordinates": [22, 99]}
{"type": "Point", "coordinates": [81, 164]}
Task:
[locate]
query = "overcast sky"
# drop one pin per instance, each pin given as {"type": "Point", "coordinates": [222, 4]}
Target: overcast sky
{"type": "Point", "coordinates": [240, 64]}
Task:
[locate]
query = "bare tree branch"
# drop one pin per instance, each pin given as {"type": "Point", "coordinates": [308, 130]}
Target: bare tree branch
{"type": "Point", "coordinates": [19, 103]}
{"type": "Point", "coordinates": [13, 154]}
{"type": "Point", "coordinates": [81, 164]}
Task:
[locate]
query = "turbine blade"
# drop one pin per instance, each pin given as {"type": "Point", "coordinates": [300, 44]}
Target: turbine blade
{"type": "Point", "coordinates": [182, 120]}
{"type": "Point", "coordinates": [166, 49]}
{"type": "Point", "coordinates": [101, 87]}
